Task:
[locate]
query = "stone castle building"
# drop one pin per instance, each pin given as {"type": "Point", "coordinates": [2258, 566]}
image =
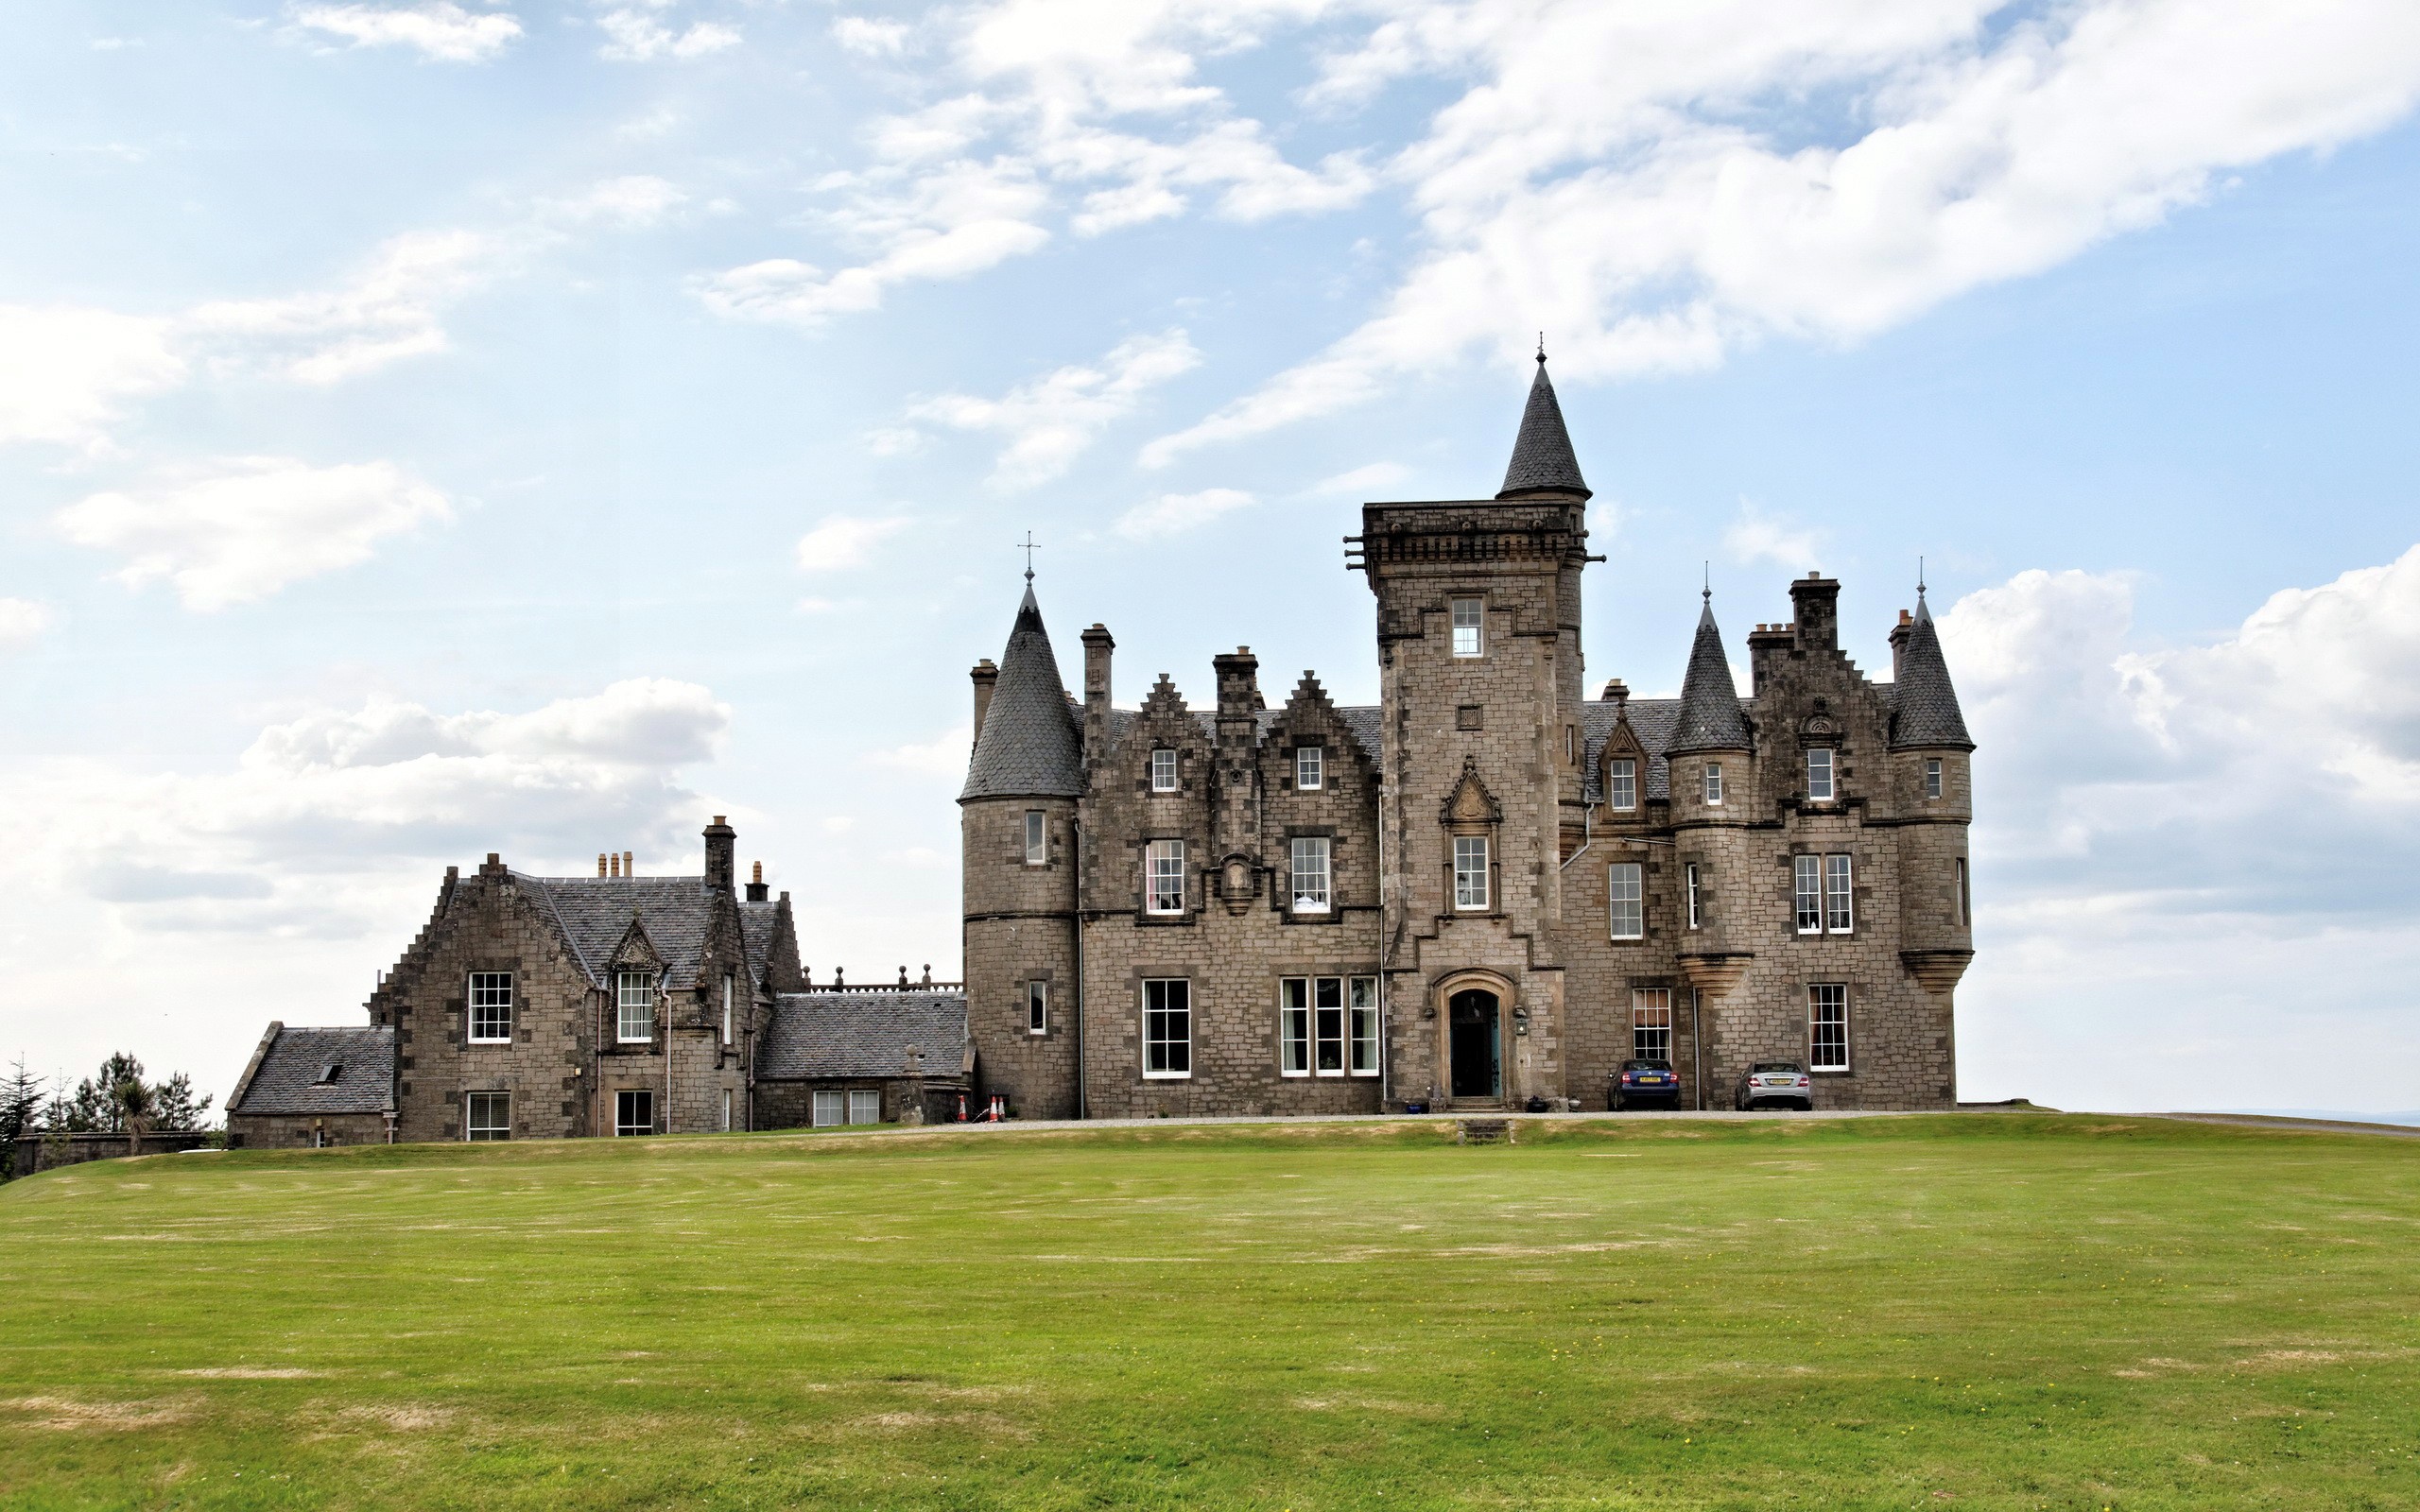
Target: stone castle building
{"type": "Point", "coordinates": [1488, 890]}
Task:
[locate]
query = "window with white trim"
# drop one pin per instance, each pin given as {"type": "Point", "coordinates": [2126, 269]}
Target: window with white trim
{"type": "Point", "coordinates": [1689, 885]}
{"type": "Point", "coordinates": [1819, 774]}
{"type": "Point", "coordinates": [1037, 1007]}
{"type": "Point", "coordinates": [830, 1108]}
{"type": "Point", "coordinates": [1626, 899]}
{"type": "Point", "coordinates": [1167, 1028]}
{"type": "Point", "coordinates": [1714, 781]}
{"type": "Point", "coordinates": [1310, 767]}
{"type": "Point", "coordinates": [1932, 776]}
{"type": "Point", "coordinates": [490, 1007]}
{"type": "Point", "coordinates": [1362, 996]}
{"type": "Point", "coordinates": [633, 1112]}
{"type": "Point", "coordinates": [635, 1006]}
{"type": "Point", "coordinates": [488, 1116]}
{"type": "Point", "coordinates": [1310, 873]}
{"type": "Point", "coordinates": [1622, 784]}
{"type": "Point", "coordinates": [1162, 770]}
{"type": "Point", "coordinates": [1164, 877]}
{"type": "Point", "coordinates": [726, 1007]}
{"type": "Point", "coordinates": [1807, 876]}
{"type": "Point", "coordinates": [726, 1109]}
{"type": "Point", "coordinates": [1037, 844]}
{"type": "Point", "coordinates": [1840, 913]}
{"type": "Point", "coordinates": [1827, 1027]}
{"type": "Point", "coordinates": [1651, 1023]}
{"type": "Point", "coordinates": [865, 1107]}
{"type": "Point", "coordinates": [1470, 872]}
{"type": "Point", "coordinates": [1470, 627]}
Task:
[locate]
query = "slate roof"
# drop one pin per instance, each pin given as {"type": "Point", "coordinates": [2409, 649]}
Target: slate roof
{"type": "Point", "coordinates": [1030, 745]}
{"type": "Point", "coordinates": [1709, 717]}
{"type": "Point", "coordinates": [757, 923]}
{"type": "Point", "coordinates": [1923, 706]}
{"type": "Point", "coordinates": [822, 1035]}
{"type": "Point", "coordinates": [287, 1078]}
{"type": "Point", "coordinates": [594, 913]}
{"type": "Point", "coordinates": [1542, 454]}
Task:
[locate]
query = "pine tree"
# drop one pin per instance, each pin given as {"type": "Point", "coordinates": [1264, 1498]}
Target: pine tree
{"type": "Point", "coordinates": [21, 1099]}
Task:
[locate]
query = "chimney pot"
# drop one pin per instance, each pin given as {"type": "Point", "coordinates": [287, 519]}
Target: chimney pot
{"type": "Point", "coordinates": [628, 868]}
{"type": "Point", "coordinates": [600, 863]}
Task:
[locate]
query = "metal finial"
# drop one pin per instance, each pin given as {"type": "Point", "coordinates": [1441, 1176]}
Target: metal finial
{"type": "Point", "coordinates": [1542, 349]}
{"type": "Point", "coordinates": [1920, 578]}
{"type": "Point", "coordinates": [1708, 594]}
{"type": "Point", "coordinates": [1029, 547]}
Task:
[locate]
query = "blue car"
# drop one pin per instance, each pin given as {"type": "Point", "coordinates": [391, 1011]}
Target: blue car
{"type": "Point", "coordinates": [1645, 1084]}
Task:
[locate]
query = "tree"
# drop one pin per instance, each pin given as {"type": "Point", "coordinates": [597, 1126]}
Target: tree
{"type": "Point", "coordinates": [178, 1110]}
{"type": "Point", "coordinates": [105, 1103]}
{"type": "Point", "coordinates": [135, 1103]}
{"type": "Point", "coordinates": [20, 1098]}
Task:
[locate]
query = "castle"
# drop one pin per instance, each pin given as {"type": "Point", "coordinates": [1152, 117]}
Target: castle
{"type": "Point", "coordinates": [1487, 892]}
{"type": "Point", "coordinates": [1490, 890]}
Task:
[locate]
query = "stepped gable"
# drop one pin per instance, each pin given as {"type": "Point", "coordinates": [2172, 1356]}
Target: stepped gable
{"type": "Point", "coordinates": [290, 1077]}
{"type": "Point", "coordinates": [1709, 717]}
{"type": "Point", "coordinates": [1923, 706]}
{"type": "Point", "coordinates": [594, 913]}
{"type": "Point", "coordinates": [822, 1036]}
{"type": "Point", "coordinates": [1542, 460]}
{"type": "Point", "coordinates": [1031, 745]}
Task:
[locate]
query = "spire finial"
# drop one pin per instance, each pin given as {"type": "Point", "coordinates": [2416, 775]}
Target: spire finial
{"type": "Point", "coordinates": [1542, 349]}
{"type": "Point", "coordinates": [1708, 593]}
{"type": "Point", "coordinates": [1028, 546]}
{"type": "Point", "coordinates": [1920, 578]}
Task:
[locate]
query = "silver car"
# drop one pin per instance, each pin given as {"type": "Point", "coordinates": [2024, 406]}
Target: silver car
{"type": "Point", "coordinates": [1776, 1084]}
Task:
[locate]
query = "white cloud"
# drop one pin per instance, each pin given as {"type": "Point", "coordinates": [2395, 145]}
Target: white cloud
{"type": "Point", "coordinates": [388, 312]}
{"type": "Point", "coordinates": [69, 372]}
{"type": "Point", "coordinates": [1760, 535]}
{"type": "Point", "coordinates": [443, 29]}
{"type": "Point", "coordinates": [632, 200]}
{"type": "Point", "coordinates": [943, 757]}
{"type": "Point", "coordinates": [1363, 480]}
{"type": "Point", "coordinates": [844, 542]}
{"type": "Point", "coordinates": [1169, 514]}
{"type": "Point", "coordinates": [634, 35]}
{"type": "Point", "coordinates": [894, 440]}
{"type": "Point", "coordinates": [236, 530]}
{"type": "Point", "coordinates": [1050, 420]}
{"type": "Point", "coordinates": [21, 623]}
{"type": "Point", "coordinates": [869, 37]}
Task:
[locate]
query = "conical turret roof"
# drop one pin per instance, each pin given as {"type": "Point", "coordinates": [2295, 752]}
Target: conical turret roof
{"type": "Point", "coordinates": [1029, 746]}
{"type": "Point", "coordinates": [1709, 717]}
{"type": "Point", "coordinates": [1923, 707]}
{"type": "Point", "coordinates": [1542, 454]}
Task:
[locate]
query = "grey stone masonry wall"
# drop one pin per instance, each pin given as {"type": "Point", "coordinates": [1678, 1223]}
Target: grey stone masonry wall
{"type": "Point", "coordinates": [1020, 929]}
{"type": "Point", "coordinates": [272, 1131]}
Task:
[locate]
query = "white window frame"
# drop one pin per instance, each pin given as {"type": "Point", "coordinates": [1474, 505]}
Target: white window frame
{"type": "Point", "coordinates": [1651, 1017]}
{"type": "Point", "coordinates": [1806, 893]}
{"type": "Point", "coordinates": [1840, 894]}
{"type": "Point", "coordinates": [1469, 619]}
{"type": "Point", "coordinates": [1310, 769]}
{"type": "Point", "coordinates": [634, 989]}
{"type": "Point", "coordinates": [865, 1107]}
{"type": "Point", "coordinates": [1163, 768]}
{"type": "Point", "coordinates": [1037, 1007]}
{"type": "Point", "coordinates": [1163, 878]}
{"type": "Point", "coordinates": [1622, 784]}
{"type": "Point", "coordinates": [1472, 889]}
{"type": "Point", "coordinates": [1037, 839]}
{"type": "Point", "coordinates": [1362, 1026]}
{"type": "Point", "coordinates": [626, 1127]}
{"type": "Point", "coordinates": [1828, 1007]}
{"type": "Point", "coordinates": [1932, 776]}
{"type": "Point", "coordinates": [1713, 789]}
{"type": "Point", "coordinates": [1626, 899]}
{"type": "Point", "coordinates": [488, 993]}
{"type": "Point", "coordinates": [726, 1007]}
{"type": "Point", "coordinates": [827, 1108]}
{"type": "Point", "coordinates": [1293, 1026]}
{"type": "Point", "coordinates": [1822, 784]}
{"type": "Point", "coordinates": [474, 1104]}
{"type": "Point", "coordinates": [1689, 884]}
{"type": "Point", "coordinates": [1310, 860]}
{"type": "Point", "coordinates": [726, 1109]}
{"type": "Point", "coordinates": [1171, 1054]}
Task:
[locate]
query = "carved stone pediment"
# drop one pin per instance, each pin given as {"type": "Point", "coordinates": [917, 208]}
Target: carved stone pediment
{"type": "Point", "coordinates": [636, 953]}
{"type": "Point", "coordinates": [1471, 805]}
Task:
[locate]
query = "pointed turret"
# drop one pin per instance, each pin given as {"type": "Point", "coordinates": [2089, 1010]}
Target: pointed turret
{"type": "Point", "coordinates": [1710, 717]}
{"type": "Point", "coordinates": [1923, 706]}
{"type": "Point", "coordinates": [1542, 462]}
{"type": "Point", "coordinates": [1029, 746]}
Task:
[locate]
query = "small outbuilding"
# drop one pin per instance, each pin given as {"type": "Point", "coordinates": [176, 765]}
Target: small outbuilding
{"type": "Point", "coordinates": [310, 1087]}
{"type": "Point", "coordinates": [860, 1056]}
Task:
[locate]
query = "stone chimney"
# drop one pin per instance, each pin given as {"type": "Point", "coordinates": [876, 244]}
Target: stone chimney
{"type": "Point", "coordinates": [1098, 646]}
{"type": "Point", "coordinates": [986, 678]}
{"type": "Point", "coordinates": [600, 863]}
{"type": "Point", "coordinates": [630, 867]}
{"type": "Point", "coordinates": [1817, 600]}
{"type": "Point", "coordinates": [1899, 633]}
{"type": "Point", "coordinates": [756, 881]}
{"type": "Point", "coordinates": [723, 844]}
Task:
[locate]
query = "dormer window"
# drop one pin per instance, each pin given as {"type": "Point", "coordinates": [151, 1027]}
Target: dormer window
{"type": "Point", "coordinates": [1819, 774]}
{"type": "Point", "coordinates": [1470, 631]}
{"type": "Point", "coordinates": [634, 1004]}
{"type": "Point", "coordinates": [1162, 770]}
{"type": "Point", "coordinates": [1470, 872]}
{"type": "Point", "coordinates": [1310, 769]}
{"type": "Point", "coordinates": [331, 1073]}
{"type": "Point", "coordinates": [1621, 783]}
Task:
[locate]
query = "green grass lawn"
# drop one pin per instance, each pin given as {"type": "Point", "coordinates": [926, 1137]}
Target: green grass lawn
{"type": "Point", "coordinates": [1995, 1310]}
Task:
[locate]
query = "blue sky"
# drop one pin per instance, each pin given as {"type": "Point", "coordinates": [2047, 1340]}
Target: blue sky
{"type": "Point", "coordinates": [435, 428]}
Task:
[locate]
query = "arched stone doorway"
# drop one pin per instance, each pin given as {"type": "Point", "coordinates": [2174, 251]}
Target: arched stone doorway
{"type": "Point", "coordinates": [1474, 1045]}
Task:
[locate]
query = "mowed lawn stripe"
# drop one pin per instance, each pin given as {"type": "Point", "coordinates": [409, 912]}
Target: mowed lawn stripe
{"type": "Point", "coordinates": [1992, 1310]}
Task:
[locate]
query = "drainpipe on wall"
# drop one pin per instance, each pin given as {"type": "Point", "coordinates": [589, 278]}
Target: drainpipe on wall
{"type": "Point", "coordinates": [1076, 831]}
{"type": "Point", "coordinates": [1697, 1049]}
